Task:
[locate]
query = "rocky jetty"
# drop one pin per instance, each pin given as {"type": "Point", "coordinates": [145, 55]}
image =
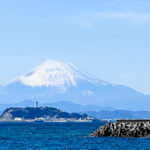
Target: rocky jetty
{"type": "Point", "coordinates": [124, 129]}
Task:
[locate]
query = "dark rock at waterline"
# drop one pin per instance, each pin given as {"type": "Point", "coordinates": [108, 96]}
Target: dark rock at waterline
{"type": "Point", "coordinates": [124, 129]}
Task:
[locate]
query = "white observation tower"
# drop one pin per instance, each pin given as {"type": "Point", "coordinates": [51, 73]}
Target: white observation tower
{"type": "Point", "coordinates": [36, 104]}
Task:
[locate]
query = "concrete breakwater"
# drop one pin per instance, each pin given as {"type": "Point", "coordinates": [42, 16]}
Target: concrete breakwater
{"type": "Point", "coordinates": [124, 129]}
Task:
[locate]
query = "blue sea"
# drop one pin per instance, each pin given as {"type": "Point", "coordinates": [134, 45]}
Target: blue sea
{"type": "Point", "coordinates": [59, 136]}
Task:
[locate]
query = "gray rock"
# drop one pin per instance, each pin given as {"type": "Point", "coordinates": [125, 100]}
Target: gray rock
{"type": "Point", "coordinates": [124, 129]}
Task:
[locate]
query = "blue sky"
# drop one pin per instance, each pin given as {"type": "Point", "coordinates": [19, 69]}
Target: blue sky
{"type": "Point", "coordinates": [109, 39]}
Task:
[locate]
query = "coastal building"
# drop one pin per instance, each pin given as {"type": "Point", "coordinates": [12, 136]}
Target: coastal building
{"type": "Point", "coordinates": [18, 119]}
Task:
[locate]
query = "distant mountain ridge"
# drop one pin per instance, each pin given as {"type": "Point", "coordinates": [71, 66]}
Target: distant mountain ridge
{"type": "Point", "coordinates": [62, 105]}
{"type": "Point", "coordinates": [55, 81]}
{"type": "Point", "coordinates": [72, 107]}
{"type": "Point", "coordinates": [25, 103]}
{"type": "Point", "coordinates": [119, 114]}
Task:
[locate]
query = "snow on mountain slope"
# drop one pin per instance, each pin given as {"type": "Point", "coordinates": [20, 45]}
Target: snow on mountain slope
{"type": "Point", "coordinates": [56, 74]}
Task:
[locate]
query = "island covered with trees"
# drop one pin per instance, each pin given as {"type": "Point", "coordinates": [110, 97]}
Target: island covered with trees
{"type": "Point", "coordinates": [46, 114]}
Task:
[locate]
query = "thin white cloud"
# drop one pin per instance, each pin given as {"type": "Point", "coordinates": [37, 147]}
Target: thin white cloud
{"type": "Point", "coordinates": [139, 18]}
{"type": "Point", "coordinates": [82, 20]}
{"type": "Point", "coordinates": [85, 24]}
{"type": "Point", "coordinates": [89, 19]}
{"type": "Point", "coordinates": [87, 92]}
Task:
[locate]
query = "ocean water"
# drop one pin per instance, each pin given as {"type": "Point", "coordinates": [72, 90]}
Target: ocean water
{"type": "Point", "coordinates": [59, 136]}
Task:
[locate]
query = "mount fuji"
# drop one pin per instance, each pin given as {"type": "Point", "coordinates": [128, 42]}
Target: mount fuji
{"type": "Point", "coordinates": [55, 81]}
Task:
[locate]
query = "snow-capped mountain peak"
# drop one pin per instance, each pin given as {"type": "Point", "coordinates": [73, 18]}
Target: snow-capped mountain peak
{"type": "Point", "coordinates": [55, 73]}
{"type": "Point", "coordinates": [51, 73]}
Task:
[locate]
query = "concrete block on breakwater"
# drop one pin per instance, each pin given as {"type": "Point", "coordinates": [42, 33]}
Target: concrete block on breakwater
{"type": "Point", "coordinates": [125, 128]}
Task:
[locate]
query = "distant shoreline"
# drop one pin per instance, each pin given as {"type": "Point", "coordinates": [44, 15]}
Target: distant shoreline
{"type": "Point", "coordinates": [13, 121]}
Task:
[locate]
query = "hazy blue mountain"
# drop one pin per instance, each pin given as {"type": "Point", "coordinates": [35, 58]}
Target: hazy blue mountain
{"type": "Point", "coordinates": [25, 103]}
{"type": "Point", "coordinates": [63, 105]}
{"type": "Point", "coordinates": [119, 114]}
{"type": "Point", "coordinates": [72, 107]}
{"type": "Point", "coordinates": [55, 81]}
